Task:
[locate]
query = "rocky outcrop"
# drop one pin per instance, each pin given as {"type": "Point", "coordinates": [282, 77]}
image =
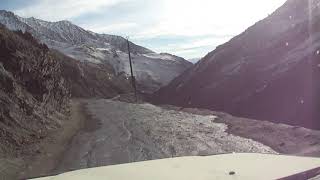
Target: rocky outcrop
{"type": "Point", "coordinates": [269, 72]}
{"type": "Point", "coordinates": [33, 94]}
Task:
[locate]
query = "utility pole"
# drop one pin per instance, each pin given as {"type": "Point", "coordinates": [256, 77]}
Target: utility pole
{"type": "Point", "coordinates": [133, 80]}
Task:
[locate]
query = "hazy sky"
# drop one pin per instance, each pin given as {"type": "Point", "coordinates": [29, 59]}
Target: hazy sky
{"type": "Point", "coordinates": [188, 28]}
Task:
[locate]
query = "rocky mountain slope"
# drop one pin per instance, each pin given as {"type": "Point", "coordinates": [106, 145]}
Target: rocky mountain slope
{"type": "Point", "coordinates": [33, 95]}
{"type": "Point", "coordinates": [269, 72]}
{"type": "Point", "coordinates": [87, 79]}
{"type": "Point", "coordinates": [152, 70]}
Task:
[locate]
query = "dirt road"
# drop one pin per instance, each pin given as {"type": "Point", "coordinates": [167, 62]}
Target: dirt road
{"type": "Point", "coordinates": [119, 132]}
{"type": "Point", "coordinates": [103, 132]}
{"type": "Point", "coordinates": [48, 151]}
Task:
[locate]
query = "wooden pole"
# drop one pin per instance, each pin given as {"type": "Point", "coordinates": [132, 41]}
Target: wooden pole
{"type": "Point", "coordinates": [133, 80]}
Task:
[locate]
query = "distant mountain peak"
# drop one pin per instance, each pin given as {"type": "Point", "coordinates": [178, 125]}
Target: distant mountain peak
{"type": "Point", "coordinates": [194, 60]}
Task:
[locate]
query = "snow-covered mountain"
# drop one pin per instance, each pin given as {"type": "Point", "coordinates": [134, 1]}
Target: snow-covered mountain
{"type": "Point", "coordinates": [152, 70]}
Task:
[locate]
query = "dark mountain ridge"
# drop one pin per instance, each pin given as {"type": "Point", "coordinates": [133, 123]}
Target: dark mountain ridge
{"type": "Point", "coordinates": [269, 72]}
